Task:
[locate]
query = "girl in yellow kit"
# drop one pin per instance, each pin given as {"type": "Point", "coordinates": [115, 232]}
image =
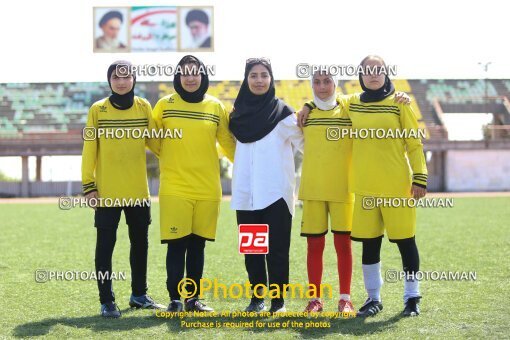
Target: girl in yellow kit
{"type": "Point", "coordinates": [384, 168]}
{"type": "Point", "coordinates": [116, 168]}
{"type": "Point", "coordinates": [324, 185]}
{"type": "Point", "coordinates": [190, 189]}
{"type": "Point", "coordinates": [324, 188]}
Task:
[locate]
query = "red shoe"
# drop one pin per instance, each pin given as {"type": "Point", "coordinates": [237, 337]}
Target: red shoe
{"type": "Point", "coordinates": [314, 306]}
{"type": "Point", "coordinates": [345, 306]}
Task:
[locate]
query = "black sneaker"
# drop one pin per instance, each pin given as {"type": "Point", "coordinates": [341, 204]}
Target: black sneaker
{"type": "Point", "coordinates": [195, 305]}
{"type": "Point", "coordinates": [277, 306]}
{"type": "Point", "coordinates": [370, 308]}
{"type": "Point", "coordinates": [175, 306]}
{"type": "Point", "coordinates": [110, 310]}
{"type": "Point", "coordinates": [145, 302]}
{"type": "Point", "coordinates": [412, 307]}
{"type": "Point", "coordinates": [256, 305]}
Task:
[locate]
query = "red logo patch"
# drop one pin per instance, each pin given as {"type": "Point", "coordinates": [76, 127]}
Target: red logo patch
{"type": "Point", "coordinates": [253, 238]}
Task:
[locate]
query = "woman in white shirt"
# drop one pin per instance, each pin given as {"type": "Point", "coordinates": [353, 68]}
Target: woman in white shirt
{"type": "Point", "coordinates": [263, 179]}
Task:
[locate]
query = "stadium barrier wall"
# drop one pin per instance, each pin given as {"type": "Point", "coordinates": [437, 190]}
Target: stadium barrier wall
{"type": "Point", "coordinates": [477, 170]}
{"type": "Point", "coordinates": [74, 188]}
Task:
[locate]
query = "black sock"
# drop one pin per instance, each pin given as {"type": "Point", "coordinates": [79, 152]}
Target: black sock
{"type": "Point", "coordinates": [195, 261]}
{"type": "Point", "coordinates": [410, 257]}
{"type": "Point", "coordinates": [371, 251]}
{"type": "Point", "coordinates": [138, 235]}
{"type": "Point", "coordinates": [175, 259]}
{"type": "Point", "coordinates": [105, 243]}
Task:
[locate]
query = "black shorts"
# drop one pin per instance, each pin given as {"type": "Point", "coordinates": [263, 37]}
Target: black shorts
{"type": "Point", "coordinates": [110, 217]}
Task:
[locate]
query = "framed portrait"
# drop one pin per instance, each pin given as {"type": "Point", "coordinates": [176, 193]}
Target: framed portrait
{"type": "Point", "coordinates": [196, 28]}
{"type": "Point", "coordinates": [111, 29]}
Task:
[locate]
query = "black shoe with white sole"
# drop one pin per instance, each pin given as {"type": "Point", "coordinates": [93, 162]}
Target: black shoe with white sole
{"type": "Point", "coordinates": [370, 308]}
{"type": "Point", "coordinates": [145, 302]}
{"type": "Point", "coordinates": [412, 307]}
{"type": "Point", "coordinates": [110, 310]}
{"type": "Point", "coordinates": [256, 305]}
{"type": "Point", "coordinates": [195, 305]}
{"type": "Point", "coordinates": [277, 306]}
{"type": "Point", "coordinates": [175, 306]}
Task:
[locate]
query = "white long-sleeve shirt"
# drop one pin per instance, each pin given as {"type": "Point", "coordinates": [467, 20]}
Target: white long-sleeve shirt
{"type": "Point", "coordinates": [264, 170]}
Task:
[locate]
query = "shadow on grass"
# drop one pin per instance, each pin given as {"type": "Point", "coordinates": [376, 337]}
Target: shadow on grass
{"type": "Point", "coordinates": [345, 326]}
{"type": "Point", "coordinates": [351, 326]}
{"type": "Point", "coordinates": [95, 323]}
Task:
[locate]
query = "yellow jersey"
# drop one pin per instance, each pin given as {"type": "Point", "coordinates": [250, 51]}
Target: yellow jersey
{"type": "Point", "coordinates": [189, 162]}
{"type": "Point", "coordinates": [385, 167]}
{"type": "Point", "coordinates": [113, 157]}
{"type": "Point", "coordinates": [326, 158]}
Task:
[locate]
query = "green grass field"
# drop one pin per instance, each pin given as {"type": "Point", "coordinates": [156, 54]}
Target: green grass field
{"type": "Point", "coordinates": [472, 236]}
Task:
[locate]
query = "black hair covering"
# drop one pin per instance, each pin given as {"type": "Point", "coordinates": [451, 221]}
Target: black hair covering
{"type": "Point", "coordinates": [255, 116]}
{"type": "Point", "coordinates": [197, 15]}
{"type": "Point", "coordinates": [198, 95]}
{"type": "Point", "coordinates": [124, 101]}
{"type": "Point", "coordinates": [370, 96]}
{"type": "Point", "coordinates": [110, 15]}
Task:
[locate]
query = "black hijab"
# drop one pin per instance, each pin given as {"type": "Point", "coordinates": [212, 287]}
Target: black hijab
{"type": "Point", "coordinates": [370, 96]}
{"type": "Point", "coordinates": [255, 116]}
{"type": "Point", "coordinates": [124, 101]}
{"type": "Point", "coordinates": [198, 95]}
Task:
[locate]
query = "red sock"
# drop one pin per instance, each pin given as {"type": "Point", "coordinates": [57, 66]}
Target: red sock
{"type": "Point", "coordinates": [344, 262]}
{"type": "Point", "coordinates": [314, 260]}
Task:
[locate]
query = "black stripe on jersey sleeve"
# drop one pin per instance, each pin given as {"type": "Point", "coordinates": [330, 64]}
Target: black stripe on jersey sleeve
{"type": "Point", "coordinates": [420, 177]}
{"type": "Point", "coordinates": [424, 178]}
{"type": "Point", "coordinates": [89, 187]}
{"type": "Point", "coordinates": [424, 186]}
{"type": "Point", "coordinates": [311, 105]}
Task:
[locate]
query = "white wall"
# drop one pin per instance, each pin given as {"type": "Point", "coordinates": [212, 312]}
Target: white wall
{"type": "Point", "coordinates": [51, 41]}
{"type": "Point", "coordinates": [478, 170]}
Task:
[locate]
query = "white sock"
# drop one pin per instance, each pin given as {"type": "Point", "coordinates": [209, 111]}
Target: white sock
{"type": "Point", "coordinates": [373, 280]}
{"type": "Point", "coordinates": [411, 289]}
{"type": "Point", "coordinates": [345, 297]}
